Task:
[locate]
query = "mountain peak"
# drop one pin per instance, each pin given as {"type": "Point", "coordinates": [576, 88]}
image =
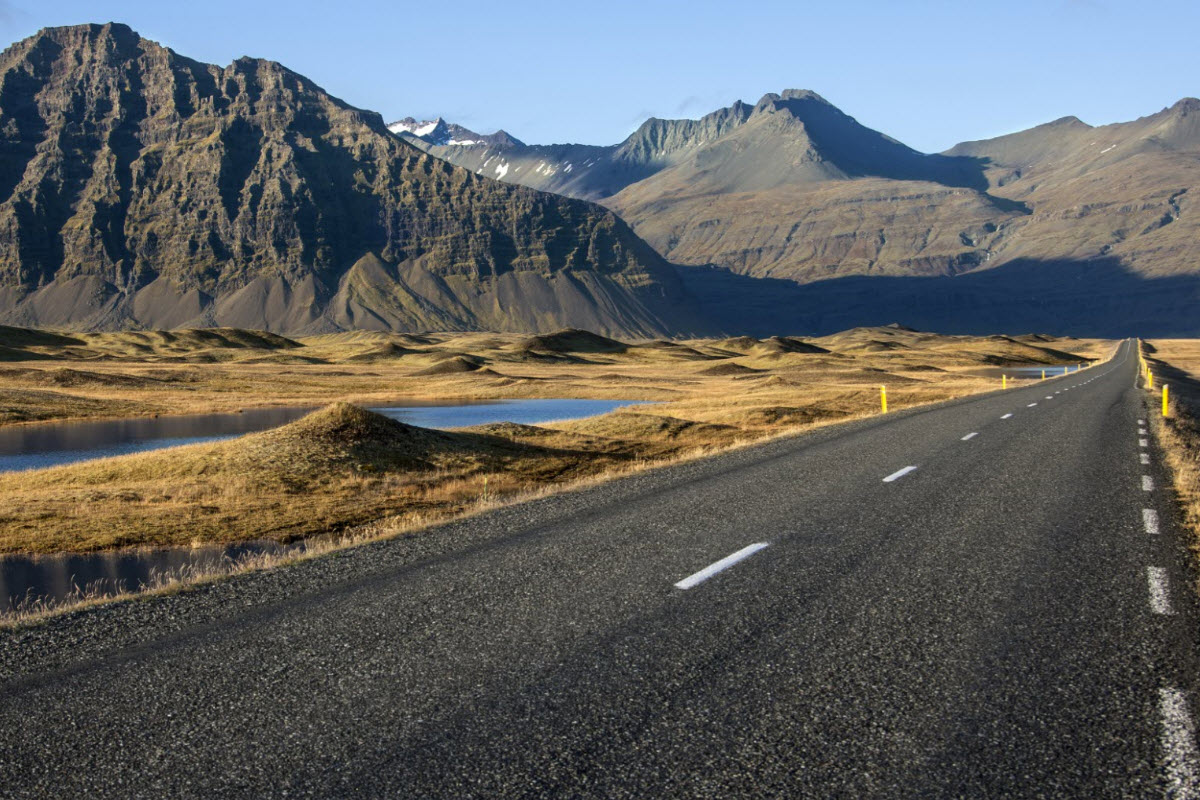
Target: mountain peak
{"type": "Point", "coordinates": [787, 95]}
{"type": "Point", "coordinates": [71, 36]}
{"type": "Point", "coordinates": [1067, 121]}
{"type": "Point", "coordinates": [1186, 105]}
{"type": "Point", "coordinates": [439, 132]}
{"type": "Point", "coordinates": [803, 94]}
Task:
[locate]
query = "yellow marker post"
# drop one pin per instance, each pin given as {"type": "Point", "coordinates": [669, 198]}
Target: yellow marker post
{"type": "Point", "coordinates": [883, 399]}
{"type": "Point", "coordinates": [1043, 374]}
{"type": "Point", "coordinates": [1150, 379]}
{"type": "Point", "coordinates": [1166, 413]}
{"type": "Point", "coordinates": [1003, 381]}
{"type": "Point", "coordinates": [1065, 370]}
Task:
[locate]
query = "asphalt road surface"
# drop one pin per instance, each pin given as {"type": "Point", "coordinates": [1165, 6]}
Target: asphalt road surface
{"type": "Point", "coordinates": [987, 598]}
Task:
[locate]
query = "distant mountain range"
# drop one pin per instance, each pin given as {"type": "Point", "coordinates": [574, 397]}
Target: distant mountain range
{"type": "Point", "coordinates": [1065, 226]}
{"type": "Point", "coordinates": [139, 188]}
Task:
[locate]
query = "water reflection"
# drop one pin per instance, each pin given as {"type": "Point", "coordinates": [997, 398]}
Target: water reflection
{"type": "Point", "coordinates": [24, 447]}
{"type": "Point", "coordinates": [32, 580]}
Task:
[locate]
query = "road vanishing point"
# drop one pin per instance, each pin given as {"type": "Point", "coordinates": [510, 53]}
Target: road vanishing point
{"type": "Point", "coordinates": [985, 598]}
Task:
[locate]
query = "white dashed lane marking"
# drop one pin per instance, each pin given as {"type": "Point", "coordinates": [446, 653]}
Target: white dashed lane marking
{"type": "Point", "coordinates": [898, 474]}
{"type": "Point", "coordinates": [1160, 590]}
{"type": "Point", "coordinates": [723, 564]}
{"type": "Point", "coordinates": [1179, 745]}
{"type": "Point", "coordinates": [1147, 483]}
{"type": "Point", "coordinates": [1150, 521]}
{"type": "Point", "coordinates": [970, 436]}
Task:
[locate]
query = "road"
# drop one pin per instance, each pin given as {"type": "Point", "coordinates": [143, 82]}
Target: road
{"type": "Point", "coordinates": [987, 598]}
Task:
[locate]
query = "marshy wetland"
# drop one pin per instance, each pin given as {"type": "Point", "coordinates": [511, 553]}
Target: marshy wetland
{"type": "Point", "coordinates": [342, 473]}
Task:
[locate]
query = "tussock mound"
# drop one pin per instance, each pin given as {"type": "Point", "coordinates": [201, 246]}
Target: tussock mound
{"type": "Point", "coordinates": [192, 339]}
{"type": "Point", "coordinates": [77, 378]}
{"type": "Point", "coordinates": [281, 358]}
{"type": "Point", "coordinates": [415, 338]}
{"type": "Point", "coordinates": [627, 425]}
{"type": "Point", "coordinates": [789, 415]}
{"type": "Point", "coordinates": [676, 350]}
{"type": "Point", "coordinates": [739, 343]}
{"type": "Point", "coordinates": [876, 346]}
{"type": "Point", "coordinates": [573, 340]}
{"type": "Point", "coordinates": [176, 375]}
{"type": "Point", "coordinates": [451, 366]}
{"type": "Point", "coordinates": [29, 337]}
{"type": "Point", "coordinates": [13, 354]}
{"type": "Point", "coordinates": [787, 344]}
{"type": "Point", "coordinates": [729, 369]}
{"type": "Point", "coordinates": [383, 352]}
{"type": "Point", "coordinates": [1012, 352]}
{"type": "Point", "coordinates": [525, 356]}
{"type": "Point", "coordinates": [515, 430]}
{"type": "Point", "coordinates": [343, 433]}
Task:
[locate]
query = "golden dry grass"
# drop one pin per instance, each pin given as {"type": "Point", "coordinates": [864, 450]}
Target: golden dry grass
{"type": "Point", "coordinates": [1176, 362]}
{"type": "Point", "coordinates": [339, 470]}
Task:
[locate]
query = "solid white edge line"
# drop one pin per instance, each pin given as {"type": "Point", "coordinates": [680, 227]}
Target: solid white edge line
{"type": "Point", "coordinates": [971, 435]}
{"type": "Point", "coordinates": [1179, 745]}
{"type": "Point", "coordinates": [1147, 483]}
{"type": "Point", "coordinates": [1160, 590]}
{"type": "Point", "coordinates": [725, 563]}
{"type": "Point", "coordinates": [900, 473]}
{"type": "Point", "coordinates": [1150, 521]}
{"type": "Point", "coordinates": [1006, 416]}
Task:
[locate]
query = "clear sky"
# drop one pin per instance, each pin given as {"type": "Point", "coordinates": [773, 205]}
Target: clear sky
{"type": "Point", "coordinates": [928, 72]}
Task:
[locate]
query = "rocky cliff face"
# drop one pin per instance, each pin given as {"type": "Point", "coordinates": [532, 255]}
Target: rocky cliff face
{"type": "Point", "coordinates": [141, 188]}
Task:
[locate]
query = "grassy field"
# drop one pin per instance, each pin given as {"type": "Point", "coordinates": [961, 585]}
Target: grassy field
{"type": "Point", "coordinates": [342, 469]}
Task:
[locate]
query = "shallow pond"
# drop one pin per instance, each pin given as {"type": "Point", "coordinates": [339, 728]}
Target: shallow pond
{"type": "Point", "coordinates": [50, 444]}
{"type": "Point", "coordinates": [39, 580]}
{"type": "Point", "coordinates": [33, 580]}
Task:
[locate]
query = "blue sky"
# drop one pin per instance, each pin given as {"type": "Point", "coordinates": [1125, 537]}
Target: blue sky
{"type": "Point", "coordinates": [929, 73]}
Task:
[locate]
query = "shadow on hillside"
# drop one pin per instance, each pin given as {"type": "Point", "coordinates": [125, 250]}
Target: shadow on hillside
{"type": "Point", "coordinates": [1099, 297]}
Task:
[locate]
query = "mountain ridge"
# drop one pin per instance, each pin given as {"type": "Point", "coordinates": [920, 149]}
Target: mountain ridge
{"type": "Point", "coordinates": [771, 197]}
{"type": "Point", "coordinates": [140, 188]}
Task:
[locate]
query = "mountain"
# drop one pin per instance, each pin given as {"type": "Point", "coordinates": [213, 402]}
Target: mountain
{"type": "Point", "coordinates": [139, 188]}
{"type": "Point", "coordinates": [1065, 227]}
{"type": "Point", "coordinates": [448, 134]}
{"type": "Point", "coordinates": [788, 187]}
{"type": "Point", "coordinates": [1125, 191]}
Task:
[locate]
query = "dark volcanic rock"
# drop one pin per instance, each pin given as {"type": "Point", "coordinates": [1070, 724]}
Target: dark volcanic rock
{"type": "Point", "coordinates": [141, 188]}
